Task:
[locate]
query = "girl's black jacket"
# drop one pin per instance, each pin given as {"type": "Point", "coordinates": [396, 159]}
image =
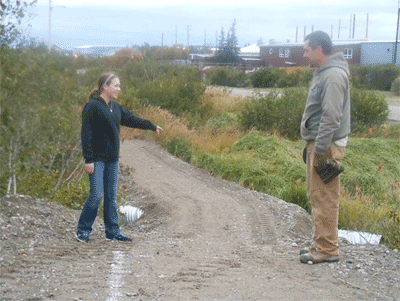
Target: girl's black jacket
{"type": "Point", "coordinates": [100, 129]}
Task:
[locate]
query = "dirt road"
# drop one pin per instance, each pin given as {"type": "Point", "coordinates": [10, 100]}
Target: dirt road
{"type": "Point", "coordinates": [201, 238]}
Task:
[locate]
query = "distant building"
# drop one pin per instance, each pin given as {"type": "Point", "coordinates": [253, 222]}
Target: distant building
{"type": "Point", "coordinates": [201, 60]}
{"type": "Point", "coordinates": [379, 53]}
{"type": "Point", "coordinates": [366, 53]}
{"type": "Point", "coordinates": [282, 55]}
{"type": "Point", "coordinates": [97, 50]}
{"type": "Point", "coordinates": [250, 57]}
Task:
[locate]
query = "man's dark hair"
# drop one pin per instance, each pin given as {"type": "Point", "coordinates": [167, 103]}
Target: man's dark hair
{"type": "Point", "coordinates": [319, 38]}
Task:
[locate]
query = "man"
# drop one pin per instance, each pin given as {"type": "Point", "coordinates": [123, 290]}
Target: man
{"type": "Point", "coordinates": [325, 126]}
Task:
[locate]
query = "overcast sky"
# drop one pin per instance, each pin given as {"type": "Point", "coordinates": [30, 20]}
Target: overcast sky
{"type": "Point", "coordinates": [101, 22]}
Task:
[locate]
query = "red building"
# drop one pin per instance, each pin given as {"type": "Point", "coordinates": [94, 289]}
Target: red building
{"type": "Point", "coordinates": [286, 55]}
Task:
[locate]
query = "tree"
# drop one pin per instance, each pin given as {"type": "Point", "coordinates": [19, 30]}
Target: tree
{"type": "Point", "coordinates": [221, 40]}
{"type": "Point", "coordinates": [176, 52]}
{"type": "Point", "coordinates": [228, 50]}
{"type": "Point", "coordinates": [12, 13]}
{"type": "Point", "coordinates": [232, 39]}
{"type": "Point", "coordinates": [38, 128]}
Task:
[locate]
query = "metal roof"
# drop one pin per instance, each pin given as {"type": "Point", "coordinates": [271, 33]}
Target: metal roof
{"type": "Point", "coordinates": [335, 43]}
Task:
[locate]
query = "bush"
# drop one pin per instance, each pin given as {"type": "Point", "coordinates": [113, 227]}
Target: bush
{"type": "Point", "coordinates": [177, 90]}
{"type": "Point", "coordinates": [221, 121]}
{"type": "Point", "coordinates": [225, 76]}
{"type": "Point", "coordinates": [264, 78]}
{"type": "Point", "coordinates": [280, 111]}
{"type": "Point", "coordinates": [395, 88]}
{"type": "Point", "coordinates": [179, 147]}
{"type": "Point", "coordinates": [287, 80]}
{"type": "Point", "coordinates": [390, 229]}
{"type": "Point", "coordinates": [41, 91]}
{"type": "Point", "coordinates": [270, 77]}
{"type": "Point", "coordinates": [367, 109]}
{"type": "Point", "coordinates": [297, 194]}
{"type": "Point", "coordinates": [378, 77]}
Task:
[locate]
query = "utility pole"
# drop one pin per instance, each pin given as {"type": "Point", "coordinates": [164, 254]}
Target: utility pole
{"type": "Point", "coordinates": [50, 10]}
{"type": "Point", "coordinates": [162, 46]}
{"type": "Point", "coordinates": [350, 26]}
{"type": "Point", "coordinates": [366, 33]}
{"type": "Point", "coordinates": [188, 44]}
{"type": "Point", "coordinates": [297, 32]}
{"type": "Point", "coordinates": [176, 34]}
{"type": "Point", "coordinates": [397, 36]}
{"type": "Point", "coordinates": [340, 27]}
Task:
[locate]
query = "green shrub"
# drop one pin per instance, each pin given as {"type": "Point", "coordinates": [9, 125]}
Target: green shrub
{"type": "Point", "coordinates": [178, 90]}
{"type": "Point", "coordinates": [136, 72]}
{"type": "Point", "coordinates": [297, 194]}
{"type": "Point", "coordinates": [73, 194]}
{"type": "Point", "coordinates": [395, 88]}
{"type": "Point", "coordinates": [264, 78]}
{"type": "Point", "coordinates": [39, 90]}
{"type": "Point", "coordinates": [378, 77]}
{"type": "Point", "coordinates": [367, 109]}
{"type": "Point", "coordinates": [226, 76]}
{"type": "Point", "coordinates": [369, 163]}
{"type": "Point", "coordinates": [287, 80]}
{"type": "Point", "coordinates": [179, 147]}
{"type": "Point", "coordinates": [280, 111]}
{"type": "Point", "coordinates": [38, 184]}
{"type": "Point", "coordinates": [221, 121]}
{"type": "Point", "coordinates": [390, 229]}
{"type": "Point", "coordinates": [305, 76]}
{"type": "Point", "coordinates": [270, 77]}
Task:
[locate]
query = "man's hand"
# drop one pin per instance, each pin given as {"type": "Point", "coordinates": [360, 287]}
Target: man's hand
{"type": "Point", "coordinates": [89, 168]}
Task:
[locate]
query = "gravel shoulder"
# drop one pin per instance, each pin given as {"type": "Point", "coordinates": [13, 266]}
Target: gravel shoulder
{"type": "Point", "coordinates": [200, 238]}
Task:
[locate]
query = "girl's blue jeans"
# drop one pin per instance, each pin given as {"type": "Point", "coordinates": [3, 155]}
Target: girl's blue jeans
{"type": "Point", "coordinates": [103, 179]}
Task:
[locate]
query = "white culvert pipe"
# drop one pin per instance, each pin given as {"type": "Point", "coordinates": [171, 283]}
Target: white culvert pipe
{"type": "Point", "coordinates": [131, 213]}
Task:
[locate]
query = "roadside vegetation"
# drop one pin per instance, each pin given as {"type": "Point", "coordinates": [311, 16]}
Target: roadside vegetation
{"type": "Point", "coordinates": [254, 142]}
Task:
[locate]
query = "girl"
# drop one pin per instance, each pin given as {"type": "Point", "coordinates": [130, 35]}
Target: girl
{"type": "Point", "coordinates": [102, 117]}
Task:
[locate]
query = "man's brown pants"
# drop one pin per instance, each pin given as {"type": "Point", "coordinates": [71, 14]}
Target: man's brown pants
{"type": "Point", "coordinates": [324, 199]}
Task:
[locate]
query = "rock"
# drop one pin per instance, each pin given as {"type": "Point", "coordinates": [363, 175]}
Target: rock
{"type": "Point", "coordinates": [132, 294]}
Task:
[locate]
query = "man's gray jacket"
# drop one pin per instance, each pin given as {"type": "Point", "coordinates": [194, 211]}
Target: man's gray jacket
{"type": "Point", "coordinates": [326, 116]}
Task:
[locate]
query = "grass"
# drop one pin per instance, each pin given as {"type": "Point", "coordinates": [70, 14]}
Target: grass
{"type": "Point", "coordinates": [269, 163]}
